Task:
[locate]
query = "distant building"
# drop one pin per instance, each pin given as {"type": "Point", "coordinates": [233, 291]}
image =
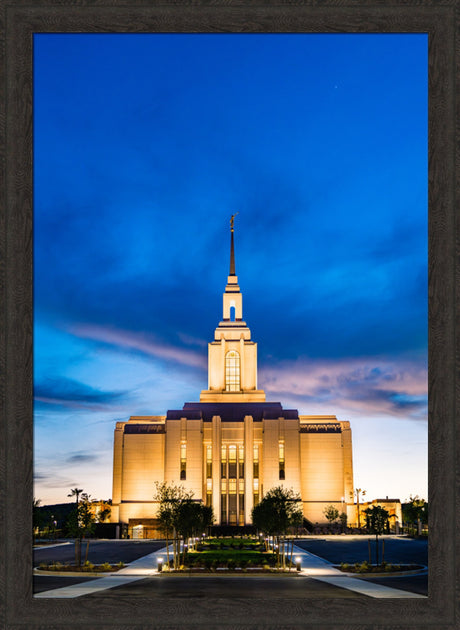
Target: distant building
{"type": "Point", "coordinates": [232, 446]}
{"type": "Point", "coordinates": [392, 506]}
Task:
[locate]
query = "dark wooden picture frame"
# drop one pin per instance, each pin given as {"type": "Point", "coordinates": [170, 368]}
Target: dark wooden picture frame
{"type": "Point", "coordinates": [20, 20]}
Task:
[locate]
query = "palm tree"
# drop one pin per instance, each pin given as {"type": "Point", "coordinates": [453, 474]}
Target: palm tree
{"type": "Point", "coordinates": [75, 492]}
{"type": "Point", "coordinates": [358, 492]}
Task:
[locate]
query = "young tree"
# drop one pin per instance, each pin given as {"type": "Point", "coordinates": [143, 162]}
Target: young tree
{"type": "Point", "coordinates": [343, 520]}
{"type": "Point", "coordinates": [170, 498]}
{"type": "Point", "coordinates": [331, 513]}
{"type": "Point", "coordinates": [103, 515]}
{"type": "Point", "coordinates": [415, 509]}
{"type": "Point", "coordinates": [376, 522]}
{"type": "Point", "coordinates": [81, 523]}
{"type": "Point", "coordinates": [278, 511]}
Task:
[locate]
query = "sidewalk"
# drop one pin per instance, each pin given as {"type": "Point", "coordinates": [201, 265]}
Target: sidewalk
{"type": "Point", "coordinates": [322, 570]}
{"type": "Point", "coordinates": [137, 570]}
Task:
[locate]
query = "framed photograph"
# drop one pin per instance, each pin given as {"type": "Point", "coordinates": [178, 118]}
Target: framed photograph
{"type": "Point", "coordinates": [147, 148]}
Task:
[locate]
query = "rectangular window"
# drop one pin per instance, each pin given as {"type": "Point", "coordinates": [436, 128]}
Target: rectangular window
{"type": "Point", "coordinates": [232, 515]}
{"type": "Point", "coordinates": [241, 486]}
{"type": "Point", "coordinates": [208, 492]}
{"type": "Point", "coordinates": [241, 509]}
{"type": "Point", "coordinates": [232, 486]}
{"type": "Point", "coordinates": [223, 509]}
{"type": "Point", "coordinates": [256, 492]}
{"type": "Point", "coordinates": [281, 461]}
{"type": "Point", "coordinates": [223, 462]}
{"type": "Point", "coordinates": [241, 461]}
{"type": "Point", "coordinates": [208, 462]}
{"type": "Point", "coordinates": [223, 486]}
{"type": "Point", "coordinates": [255, 466]}
{"type": "Point", "coordinates": [232, 462]}
{"type": "Point", "coordinates": [183, 461]}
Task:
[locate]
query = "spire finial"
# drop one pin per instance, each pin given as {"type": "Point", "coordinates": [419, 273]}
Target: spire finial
{"type": "Point", "coordinates": [232, 252]}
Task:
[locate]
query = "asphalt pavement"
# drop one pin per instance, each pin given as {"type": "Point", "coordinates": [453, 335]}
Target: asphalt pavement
{"type": "Point", "coordinates": [351, 549]}
{"type": "Point", "coordinates": [334, 549]}
{"type": "Point", "coordinates": [111, 551]}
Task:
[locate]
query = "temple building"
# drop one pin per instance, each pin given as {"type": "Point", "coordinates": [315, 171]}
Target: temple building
{"type": "Point", "coordinates": [232, 446]}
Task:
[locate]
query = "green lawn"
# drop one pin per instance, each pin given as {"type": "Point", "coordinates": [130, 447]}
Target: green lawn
{"type": "Point", "coordinates": [237, 556]}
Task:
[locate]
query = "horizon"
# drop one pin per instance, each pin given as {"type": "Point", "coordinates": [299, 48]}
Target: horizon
{"type": "Point", "coordinates": [144, 146]}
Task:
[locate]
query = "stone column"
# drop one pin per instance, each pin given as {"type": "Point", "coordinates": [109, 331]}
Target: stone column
{"type": "Point", "coordinates": [216, 447]}
{"type": "Point", "coordinates": [248, 468]}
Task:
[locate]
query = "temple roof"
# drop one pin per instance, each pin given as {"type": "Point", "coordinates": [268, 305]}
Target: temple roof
{"type": "Point", "coordinates": [232, 412]}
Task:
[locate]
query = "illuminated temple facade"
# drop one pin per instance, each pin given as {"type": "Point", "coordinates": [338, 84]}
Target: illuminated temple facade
{"type": "Point", "coordinates": [232, 446]}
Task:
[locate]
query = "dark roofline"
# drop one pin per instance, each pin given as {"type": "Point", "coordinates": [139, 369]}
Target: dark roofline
{"type": "Point", "coordinates": [232, 412]}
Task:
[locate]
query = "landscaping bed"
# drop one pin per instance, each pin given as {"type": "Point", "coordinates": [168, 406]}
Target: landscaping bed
{"type": "Point", "coordinates": [87, 567]}
{"type": "Point", "coordinates": [233, 554]}
{"type": "Point", "coordinates": [365, 567]}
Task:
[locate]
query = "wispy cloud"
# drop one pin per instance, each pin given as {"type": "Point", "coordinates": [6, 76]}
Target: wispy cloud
{"type": "Point", "coordinates": [140, 342]}
{"type": "Point", "coordinates": [68, 393]}
{"type": "Point", "coordinates": [81, 458]}
{"type": "Point", "coordinates": [359, 386]}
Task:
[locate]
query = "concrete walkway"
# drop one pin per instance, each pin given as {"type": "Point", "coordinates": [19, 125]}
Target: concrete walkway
{"type": "Point", "coordinates": [137, 570]}
{"type": "Point", "coordinates": [312, 567]}
{"type": "Point", "coordinates": [322, 570]}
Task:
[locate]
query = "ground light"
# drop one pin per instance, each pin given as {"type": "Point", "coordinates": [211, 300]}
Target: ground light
{"type": "Point", "coordinates": [298, 563]}
{"type": "Point", "coordinates": [160, 565]}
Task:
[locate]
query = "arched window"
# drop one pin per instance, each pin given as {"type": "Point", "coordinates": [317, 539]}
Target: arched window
{"type": "Point", "coordinates": [232, 371]}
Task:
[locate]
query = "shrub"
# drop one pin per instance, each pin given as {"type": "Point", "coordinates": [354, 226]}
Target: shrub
{"type": "Point", "coordinates": [106, 567]}
{"type": "Point", "coordinates": [88, 566]}
{"type": "Point", "coordinates": [120, 565]}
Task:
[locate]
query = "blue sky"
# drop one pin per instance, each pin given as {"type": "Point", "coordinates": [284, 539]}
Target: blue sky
{"type": "Point", "coordinates": [144, 145]}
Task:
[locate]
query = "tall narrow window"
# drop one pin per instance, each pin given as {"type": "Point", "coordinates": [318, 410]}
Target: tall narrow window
{"type": "Point", "coordinates": [223, 501]}
{"type": "Point", "coordinates": [256, 491]}
{"type": "Point", "coordinates": [281, 461]}
{"type": "Point", "coordinates": [223, 462]}
{"type": "Point", "coordinates": [241, 461]}
{"type": "Point", "coordinates": [208, 492]}
{"type": "Point", "coordinates": [183, 461]}
{"type": "Point", "coordinates": [241, 502]}
{"type": "Point", "coordinates": [232, 462]}
{"type": "Point", "coordinates": [232, 371]}
{"type": "Point", "coordinates": [208, 462]}
{"type": "Point", "coordinates": [232, 513]}
{"type": "Point", "coordinates": [255, 465]}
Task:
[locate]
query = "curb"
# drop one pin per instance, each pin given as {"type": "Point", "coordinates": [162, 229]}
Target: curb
{"type": "Point", "coordinates": [385, 574]}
